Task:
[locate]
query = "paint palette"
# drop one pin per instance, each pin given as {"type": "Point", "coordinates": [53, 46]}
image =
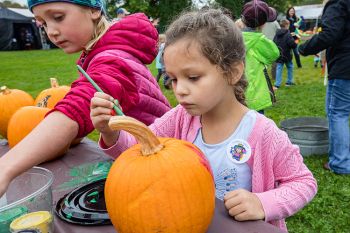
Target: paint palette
{"type": "Point", "coordinates": [84, 205]}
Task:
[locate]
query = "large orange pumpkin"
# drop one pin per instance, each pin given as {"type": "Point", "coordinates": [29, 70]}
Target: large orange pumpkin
{"type": "Point", "coordinates": [159, 185]}
{"type": "Point", "coordinates": [10, 101]}
{"type": "Point", "coordinates": [51, 96]}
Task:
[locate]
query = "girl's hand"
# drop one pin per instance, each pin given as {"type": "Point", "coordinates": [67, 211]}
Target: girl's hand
{"type": "Point", "coordinates": [244, 205]}
{"type": "Point", "coordinates": [101, 111]}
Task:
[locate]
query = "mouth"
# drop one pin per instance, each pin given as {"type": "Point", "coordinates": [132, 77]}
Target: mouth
{"type": "Point", "coordinates": [186, 105]}
{"type": "Point", "coordinates": [60, 43]}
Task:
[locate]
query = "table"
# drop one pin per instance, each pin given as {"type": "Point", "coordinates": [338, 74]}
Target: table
{"type": "Point", "coordinates": [87, 152]}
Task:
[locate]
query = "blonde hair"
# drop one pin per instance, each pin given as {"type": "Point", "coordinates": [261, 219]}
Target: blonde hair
{"type": "Point", "coordinates": [101, 26]}
{"type": "Point", "coordinates": [161, 38]}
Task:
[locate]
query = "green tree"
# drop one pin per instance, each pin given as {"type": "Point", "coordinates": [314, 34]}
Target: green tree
{"type": "Point", "coordinates": [10, 4]}
{"type": "Point", "coordinates": [235, 6]}
{"type": "Point", "coordinates": [168, 9]}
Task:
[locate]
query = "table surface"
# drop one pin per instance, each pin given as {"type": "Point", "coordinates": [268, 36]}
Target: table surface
{"type": "Point", "coordinates": [87, 152]}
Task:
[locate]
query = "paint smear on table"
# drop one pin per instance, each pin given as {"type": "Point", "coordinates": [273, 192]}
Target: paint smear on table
{"type": "Point", "coordinates": [86, 173]}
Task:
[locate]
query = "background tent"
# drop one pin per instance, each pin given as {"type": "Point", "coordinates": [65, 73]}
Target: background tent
{"type": "Point", "coordinates": [311, 13]}
{"type": "Point", "coordinates": [17, 26]}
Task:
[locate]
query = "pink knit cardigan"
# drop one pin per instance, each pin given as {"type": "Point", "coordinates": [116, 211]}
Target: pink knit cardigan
{"type": "Point", "coordinates": [280, 179]}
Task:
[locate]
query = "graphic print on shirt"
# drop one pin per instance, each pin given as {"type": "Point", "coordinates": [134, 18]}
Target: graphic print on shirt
{"type": "Point", "coordinates": [225, 181]}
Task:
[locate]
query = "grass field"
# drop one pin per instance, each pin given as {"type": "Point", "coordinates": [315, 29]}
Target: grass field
{"type": "Point", "coordinates": [330, 209]}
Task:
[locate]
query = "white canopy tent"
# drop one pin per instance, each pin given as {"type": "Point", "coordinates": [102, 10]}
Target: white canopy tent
{"type": "Point", "coordinates": [309, 11]}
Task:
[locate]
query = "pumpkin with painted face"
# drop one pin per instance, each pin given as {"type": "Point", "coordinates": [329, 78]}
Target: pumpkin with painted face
{"type": "Point", "coordinates": [50, 97]}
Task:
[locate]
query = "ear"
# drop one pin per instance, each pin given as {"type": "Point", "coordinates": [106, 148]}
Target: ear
{"type": "Point", "coordinates": [95, 13]}
{"type": "Point", "coordinates": [237, 72]}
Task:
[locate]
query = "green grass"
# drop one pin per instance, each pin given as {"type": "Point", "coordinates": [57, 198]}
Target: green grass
{"type": "Point", "coordinates": [329, 210]}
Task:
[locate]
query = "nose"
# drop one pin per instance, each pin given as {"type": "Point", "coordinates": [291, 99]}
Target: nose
{"type": "Point", "coordinates": [180, 88]}
{"type": "Point", "coordinates": [52, 31]}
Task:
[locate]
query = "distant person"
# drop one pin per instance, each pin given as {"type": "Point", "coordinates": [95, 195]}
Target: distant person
{"type": "Point", "coordinates": [293, 19]}
{"type": "Point", "coordinates": [286, 44]}
{"type": "Point", "coordinates": [260, 52]}
{"type": "Point", "coordinates": [121, 13]}
{"type": "Point", "coordinates": [335, 37]}
{"type": "Point", "coordinates": [258, 173]}
{"type": "Point", "coordinates": [159, 59]}
{"type": "Point", "coordinates": [114, 55]}
{"type": "Point", "coordinates": [28, 40]}
{"type": "Point", "coordinates": [302, 24]}
{"type": "Point", "coordinates": [269, 30]}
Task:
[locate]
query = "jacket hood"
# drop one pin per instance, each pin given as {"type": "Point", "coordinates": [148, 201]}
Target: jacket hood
{"type": "Point", "coordinates": [252, 39]}
{"type": "Point", "coordinates": [282, 32]}
{"type": "Point", "coordinates": [134, 34]}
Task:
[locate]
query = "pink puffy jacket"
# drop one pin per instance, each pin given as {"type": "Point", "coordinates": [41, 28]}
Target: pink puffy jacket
{"type": "Point", "coordinates": [116, 63]}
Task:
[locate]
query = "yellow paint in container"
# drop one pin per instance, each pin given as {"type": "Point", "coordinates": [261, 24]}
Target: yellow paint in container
{"type": "Point", "coordinates": [40, 221]}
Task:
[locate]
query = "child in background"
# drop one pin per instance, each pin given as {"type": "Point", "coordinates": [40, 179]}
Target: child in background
{"type": "Point", "coordinates": [111, 55]}
{"type": "Point", "coordinates": [159, 58]}
{"type": "Point", "coordinates": [260, 53]}
{"type": "Point", "coordinates": [285, 42]}
{"type": "Point", "coordinates": [258, 173]}
{"type": "Point", "coordinates": [317, 59]}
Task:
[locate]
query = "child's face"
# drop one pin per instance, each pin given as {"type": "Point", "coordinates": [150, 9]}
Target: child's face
{"type": "Point", "coordinates": [199, 86]}
{"type": "Point", "coordinates": [67, 25]}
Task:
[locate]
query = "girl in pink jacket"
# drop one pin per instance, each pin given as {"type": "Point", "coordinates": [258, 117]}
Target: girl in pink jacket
{"type": "Point", "coordinates": [113, 55]}
{"type": "Point", "coordinates": [258, 173]}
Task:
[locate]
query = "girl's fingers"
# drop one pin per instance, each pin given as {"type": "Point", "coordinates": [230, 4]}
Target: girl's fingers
{"type": "Point", "coordinates": [97, 111]}
{"type": "Point", "coordinates": [100, 102]}
{"type": "Point", "coordinates": [244, 216]}
{"type": "Point", "coordinates": [237, 210]}
{"type": "Point", "coordinates": [232, 202]}
{"type": "Point", "coordinates": [103, 95]}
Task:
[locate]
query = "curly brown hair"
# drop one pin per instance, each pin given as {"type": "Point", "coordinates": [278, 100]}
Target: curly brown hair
{"type": "Point", "coordinates": [220, 40]}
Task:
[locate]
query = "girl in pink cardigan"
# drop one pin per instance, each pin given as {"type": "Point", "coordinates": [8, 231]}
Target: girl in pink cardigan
{"type": "Point", "coordinates": [258, 173]}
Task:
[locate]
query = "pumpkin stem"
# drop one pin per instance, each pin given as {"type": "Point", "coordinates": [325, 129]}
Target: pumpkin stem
{"type": "Point", "coordinates": [54, 82]}
{"type": "Point", "coordinates": [150, 144]}
{"type": "Point", "coordinates": [4, 90]}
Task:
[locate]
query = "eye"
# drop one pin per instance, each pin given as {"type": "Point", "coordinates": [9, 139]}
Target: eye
{"type": "Point", "coordinates": [58, 18]}
{"type": "Point", "coordinates": [194, 78]}
{"type": "Point", "coordinates": [171, 79]}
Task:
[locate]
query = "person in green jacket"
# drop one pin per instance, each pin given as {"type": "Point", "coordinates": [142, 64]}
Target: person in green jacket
{"type": "Point", "coordinates": [260, 51]}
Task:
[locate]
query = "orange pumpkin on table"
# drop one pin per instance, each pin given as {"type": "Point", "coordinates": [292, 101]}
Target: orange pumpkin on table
{"type": "Point", "coordinates": [10, 101]}
{"type": "Point", "coordinates": [51, 96]}
{"type": "Point", "coordinates": [23, 122]}
{"type": "Point", "coordinates": [159, 185]}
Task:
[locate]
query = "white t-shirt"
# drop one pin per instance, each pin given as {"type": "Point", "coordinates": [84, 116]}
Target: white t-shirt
{"type": "Point", "coordinates": [228, 158]}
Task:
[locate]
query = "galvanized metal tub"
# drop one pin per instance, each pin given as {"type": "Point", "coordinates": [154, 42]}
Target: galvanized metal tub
{"type": "Point", "coordinates": [309, 133]}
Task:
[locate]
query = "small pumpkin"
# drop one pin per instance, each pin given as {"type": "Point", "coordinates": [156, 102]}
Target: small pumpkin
{"type": "Point", "coordinates": [23, 122]}
{"type": "Point", "coordinates": [51, 96]}
{"type": "Point", "coordinates": [159, 185]}
{"type": "Point", "coordinates": [10, 101]}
